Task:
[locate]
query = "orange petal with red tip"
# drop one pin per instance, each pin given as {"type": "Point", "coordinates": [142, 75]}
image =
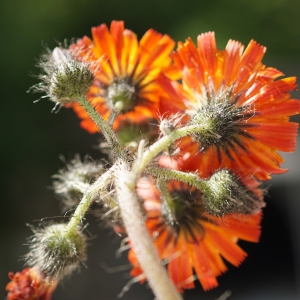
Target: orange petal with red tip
{"type": "Point", "coordinates": [208, 53]}
{"type": "Point", "coordinates": [268, 74]}
{"type": "Point", "coordinates": [246, 227]}
{"type": "Point", "coordinates": [232, 57]}
{"type": "Point", "coordinates": [104, 44]}
{"type": "Point", "coordinates": [223, 242]}
{"type": "Point", "coordinates": [281, 136]}
{"type": "Point", "coordinates": [249, 64]}
{"type": "Point", "coordinates": [278, 110]}
{"type": "Point", "coordinates": [180, 270]}
{"type": "Point", "coordinates": [217, 264]}
{"type": "Point", "coordinates": [202, 267]}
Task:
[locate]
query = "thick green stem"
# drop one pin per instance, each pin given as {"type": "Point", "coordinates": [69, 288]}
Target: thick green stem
{"type": "Point", "coordinates": [106, 129]}
{"type": "Point", "coordinates": [140, 239]}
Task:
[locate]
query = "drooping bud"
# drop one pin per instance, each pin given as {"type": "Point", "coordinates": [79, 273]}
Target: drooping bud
{"type": "Point", "coordinates": [225, 194]}
{"type": "Point", "coordinates": [64, 79]}
{"type": "Point", "coordinates": [71, 182]}
{"type": "Point", "coordinates": [55, 251]}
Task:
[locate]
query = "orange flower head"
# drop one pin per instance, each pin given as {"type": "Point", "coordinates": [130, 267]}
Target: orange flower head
{"type": "Point", "coordinates": [246, 103]}
{"type": "Point", "coordinates": [30, 284]}
{"type": "Point", "coordinates": [192, 242]}
{"type": "Point", "coordinates": [125, 86]}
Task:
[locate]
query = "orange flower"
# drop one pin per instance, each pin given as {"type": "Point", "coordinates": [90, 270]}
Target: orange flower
{"type": "Point", "coordinates": [248, 103]}
{"type": "Point", "coordinates": [190, 240]}
{"type": "Point", "coordinates": [126, 77]}
{"type": "Point", "coordinates": [30, 284]}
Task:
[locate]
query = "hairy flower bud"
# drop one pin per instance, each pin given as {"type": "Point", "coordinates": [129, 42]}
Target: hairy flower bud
{"type": "Point", "coordinates": [55, 251]}
{"type": "Point", "coordinates": [223, 123]}
{"type": "Point", "coordinates": [64, 79]}
{"type": "Point", "coordinates": [71, 182]}
{"type": "Point", "coordinates": [225, 194]}
{"type": "Point", "coordinates": [168, 125]}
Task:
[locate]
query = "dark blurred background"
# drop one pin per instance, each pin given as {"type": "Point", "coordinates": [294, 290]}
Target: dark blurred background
{"type": "Point", "coordinates": [32, 137]}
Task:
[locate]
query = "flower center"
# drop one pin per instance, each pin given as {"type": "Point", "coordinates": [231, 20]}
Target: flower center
{"type": "Point", "coordinates": [184, 213]}
{"type": "Point", "coordinates": [121, 96]}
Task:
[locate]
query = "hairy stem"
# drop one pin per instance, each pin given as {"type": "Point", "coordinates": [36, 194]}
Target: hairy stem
{"type": "Point", "coordinates": [87, 200]}
{"type": "Point", "coordinates": [106, 129]}
{"type": "Point", "coordinates": [140, 239]}
{"type": "Point", "coordinates": [167, 174]}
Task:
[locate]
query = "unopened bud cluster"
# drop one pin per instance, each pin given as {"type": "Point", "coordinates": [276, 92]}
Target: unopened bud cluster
{"type": "Point", "coordinates": [30, 284]}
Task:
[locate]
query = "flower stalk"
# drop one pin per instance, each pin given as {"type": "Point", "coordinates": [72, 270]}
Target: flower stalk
{"type": "Point", "coordinates": [187, 177]}
{"type": "Point", "coordinates": [104, 127]}
{"type": "Point", "coordinates": [140, 239]}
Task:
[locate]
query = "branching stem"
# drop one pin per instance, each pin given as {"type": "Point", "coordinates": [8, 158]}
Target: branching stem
{"type": "Point", "coordinates": [156, 148]}
{"type": "Point", "coordinates": [85, 203]}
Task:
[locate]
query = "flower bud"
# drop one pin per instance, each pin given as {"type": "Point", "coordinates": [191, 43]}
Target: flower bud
{"type": "Point", "coordinates": [225, 194]}
{"type": "Point", "coordinates": [168, 125]}
{"type": "Point", "coordinates": [222, 123]}
{"type": "Point", "coordinates": [55, 251]}
{"type": "Point", "coordinates": [64, 79]}
{"type": "Point", "coordinates": [72, 181]}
